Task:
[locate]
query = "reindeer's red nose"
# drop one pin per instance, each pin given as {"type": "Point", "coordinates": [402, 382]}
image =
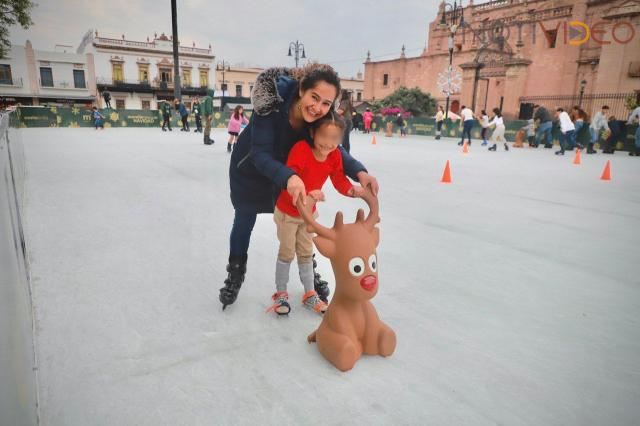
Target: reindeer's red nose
{"type": "Point", "coordinates": [369, 283]}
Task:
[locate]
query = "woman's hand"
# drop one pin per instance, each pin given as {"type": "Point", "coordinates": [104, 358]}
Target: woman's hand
{"type": "Point", "coordinates": [317, 195]}
{"type": "Point", "coordinates": [295, 188]}
{"type": "Point", "coordinates": [366, 179]}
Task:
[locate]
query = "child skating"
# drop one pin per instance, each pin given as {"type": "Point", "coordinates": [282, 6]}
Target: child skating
{"type": "Point", "coordinates": [235, 124]}
{"type": "Point", "coordinates": [498, 133]}
{"type": "Point", "coordinates": [313, 163]}
{"type": "Point", "coordinates": [98, 119]}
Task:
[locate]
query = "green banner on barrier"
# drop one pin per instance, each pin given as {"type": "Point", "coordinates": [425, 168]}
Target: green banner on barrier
{"type": "Point", "coordinates": [81, 117]}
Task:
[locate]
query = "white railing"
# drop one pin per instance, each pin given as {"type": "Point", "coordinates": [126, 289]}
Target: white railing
{"type": "Point", "coordinates": [147, 45]}
{"type": "Point", "coordinates": [61, 85]}
{"type": "Point", "coordinates": [14, 82]}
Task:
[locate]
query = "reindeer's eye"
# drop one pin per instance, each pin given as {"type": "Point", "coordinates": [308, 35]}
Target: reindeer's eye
{"type": "Point", "coordinates": [373, 263]}
{"type": "Point", "coordinates": [356, 266]}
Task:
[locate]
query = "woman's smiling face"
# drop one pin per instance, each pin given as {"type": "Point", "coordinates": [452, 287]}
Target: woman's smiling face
{"type": "Point", "coordinates": [316, 102]}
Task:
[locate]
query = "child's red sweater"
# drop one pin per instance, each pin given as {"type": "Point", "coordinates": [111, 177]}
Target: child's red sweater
{"type": "Point", "coordinates": [313, 173]}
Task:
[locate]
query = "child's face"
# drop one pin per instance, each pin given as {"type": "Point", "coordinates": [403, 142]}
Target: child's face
{"type": "Point", "coordinates": [327, 138]}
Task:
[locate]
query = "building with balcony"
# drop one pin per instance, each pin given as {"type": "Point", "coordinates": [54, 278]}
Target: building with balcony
{"type": "Point", "coordinates": [140, 73]}
{"type": "Point", "coordinates": [36, 77]}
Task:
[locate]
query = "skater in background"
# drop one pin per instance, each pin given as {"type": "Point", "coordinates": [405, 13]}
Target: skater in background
{"type": "Point", "coordinates": [599, 123]}
{"type": "Point", "coordinates": [345, 109]}
{"type": "Point", "coordinates": [184, 114]}
{"type": "Point", "coordinates": [196, 110]}
{"type": "Point", "coordinates": [286, 103]}
{"type": "Point", "coordinates": [107, 98]}
{"type": "Point", "coordinates": [614, 135]}
{"type": "Point", "coordinates": [498, 133]}
{"type": "Point", "coordinates": [467, 124]}
{"type": "Point", "coordinates": [439, 121]}
{"type": "Point", "coordinates": [484, 122]}
{"type": "Point", "coordinates": [579, 118]}
{"type": "Point", "coordinates": [567, 131]}
{"type": "Point", "coordinates": [634, 118]}
{"type": "Point", "coordinates": [207, 111]}
{"type": "Point", "coordinates": [401, 125]}
{"type": "Point", "coordinates": [544, 123]}
{"type": "Point", "coordinates": [235, 123]}
{"type": "Point", "coordinates": [357, 121]}
{"type": "Point", "coordinates": [98, 119]}
{"type": "Point", "coordinates": [313, 163]}
{"type": "Point", "coordinates": [367, 117]}
{"type": "Point", "coordinates": [165, 109]}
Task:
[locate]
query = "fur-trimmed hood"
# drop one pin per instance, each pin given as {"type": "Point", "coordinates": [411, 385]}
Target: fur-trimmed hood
{"type": "Point", "coordinates": [266, 97]}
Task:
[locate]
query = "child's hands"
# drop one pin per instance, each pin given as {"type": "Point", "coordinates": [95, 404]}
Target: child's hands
{"type": "Point", "coordinates": [317, 195]}
{"type": "Point", "coordinates": [357, 191]}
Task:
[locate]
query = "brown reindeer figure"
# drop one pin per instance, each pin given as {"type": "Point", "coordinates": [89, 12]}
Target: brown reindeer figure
{"type": "Point", "coordinates": [351, 326]}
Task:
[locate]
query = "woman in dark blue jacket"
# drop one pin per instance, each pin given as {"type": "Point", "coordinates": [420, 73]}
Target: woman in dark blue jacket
{"type": "Point", "coordinates": [285, 103]}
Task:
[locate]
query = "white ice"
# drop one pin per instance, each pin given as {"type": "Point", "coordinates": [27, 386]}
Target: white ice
{"type": "Point", "coordinates": [514, 291]}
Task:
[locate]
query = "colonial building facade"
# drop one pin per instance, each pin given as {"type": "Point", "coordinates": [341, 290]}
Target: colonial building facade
{"type": "Point", "coordinates": [35, 77]}
{"type": "Point", "coordinates": [514, 53]}
{"type": "Point", "coordinates": [139, 73]}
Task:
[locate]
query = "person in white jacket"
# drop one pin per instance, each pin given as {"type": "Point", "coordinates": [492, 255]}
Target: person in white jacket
{"type": "Point", "coordinates": [567, 131]}
{"type": "Point", "coordinates": [634, 118]}
{"type": "Point", "coordinates": [498, 133]}
{"type": "Point", "coordinates": [598, 124]}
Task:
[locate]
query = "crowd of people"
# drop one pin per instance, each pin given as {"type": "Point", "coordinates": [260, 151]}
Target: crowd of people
{"type": "Point", "coordinates": [576, 128]}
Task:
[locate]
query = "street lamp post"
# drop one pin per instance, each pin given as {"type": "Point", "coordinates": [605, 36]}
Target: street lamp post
{"type": "Point", "coordinates": [455, 12]}
{"type": "Point", "coordinates": [225, 67]}
{"type": "Point", "coordinates": [583, 84]}
{"type": "Point", "coordinates": [297, 48]}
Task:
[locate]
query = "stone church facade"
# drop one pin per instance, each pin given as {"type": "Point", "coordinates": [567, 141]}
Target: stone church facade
{"type": "Point", "coordinates": [514, 53]}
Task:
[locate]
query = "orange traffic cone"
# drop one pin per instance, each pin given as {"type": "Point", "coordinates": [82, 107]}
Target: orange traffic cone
{"type": "Point", "coordinates": [606, 173]}
{"type": "Point", "coordinates": [465, 148]}
{"type": "Point", "coordinates": [373, 141]}
{"type": "Point", "coordinates": [576, 160]}
{"type": "Point", "coordinates": [446, 176]}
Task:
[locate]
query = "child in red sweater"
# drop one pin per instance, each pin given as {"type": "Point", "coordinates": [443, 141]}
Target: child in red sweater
{"type": "Point", "coordinates": [313, 164]}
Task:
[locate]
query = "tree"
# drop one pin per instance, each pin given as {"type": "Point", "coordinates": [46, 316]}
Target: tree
{"type": "Point", "coordinates": [13, 12]}
{"type": "Point", "coordinates": [413, 100]}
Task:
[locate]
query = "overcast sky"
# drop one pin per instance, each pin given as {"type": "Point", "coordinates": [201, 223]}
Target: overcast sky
{"type": "Point", "coordinates": [253, 32]}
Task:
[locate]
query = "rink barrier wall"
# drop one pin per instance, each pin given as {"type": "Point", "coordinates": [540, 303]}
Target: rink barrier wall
{"type": "Point", "coordinates": [18, 368]}
{"type": "Point", "coordinates": [81, 117]}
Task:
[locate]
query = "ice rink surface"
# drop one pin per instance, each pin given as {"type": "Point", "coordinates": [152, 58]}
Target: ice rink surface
{"type": "Point", "coordinates": [514, 291]}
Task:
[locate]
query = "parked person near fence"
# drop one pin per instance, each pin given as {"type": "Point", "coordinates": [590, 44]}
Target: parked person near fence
{"type": "Point", "coordinates": [544, 123]}
{"type": "Point", "coordinates": [634, 118]}
{"type": "Point", "coordinates": [440, 120]}
{"type": "Point", "coordinates": [615, 134]}
{"type": "Point", "coordinates": [468, 120]}
{"type": "Point", "coordinates": [165, 109]}
{"type": "Point", "coordinates": [207, 111]}
{"type": "Point", "coordinates": [498, 133]}
{"type": "Point", "coordinates": [196, 110]}
{"type": "Point", "coordinates": [107, 98]}
{"type": "Point", "coordinates": [367, 117]}
{"type": "Point", "coordinates": [345, 109]}
{"type": "Point", "coordinates": [401, 125]}
{"type": "Point", "coordinates": [599, 123]}
{"type": "Point", "coordinates": [567, 131]}
{"type": "Point", "coordinates": [184, 115]}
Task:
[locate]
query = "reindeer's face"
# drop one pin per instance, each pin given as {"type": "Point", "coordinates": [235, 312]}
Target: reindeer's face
{"type": "Point", "coordinates": [351, 249]}
{"type": "Point", "coordinates": [355, 262]}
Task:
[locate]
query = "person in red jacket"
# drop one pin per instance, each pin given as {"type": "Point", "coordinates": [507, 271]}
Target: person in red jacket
{"type": "Point", "coordinates": [313, 163]}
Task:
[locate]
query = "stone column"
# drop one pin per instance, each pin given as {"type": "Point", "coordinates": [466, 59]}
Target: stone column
{"type": "Point", "coordinates": [515, 82]}
{"type": "Point", "coordinates": [469, 83]}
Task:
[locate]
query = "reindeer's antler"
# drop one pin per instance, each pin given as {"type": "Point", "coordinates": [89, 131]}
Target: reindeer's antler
{"type": "Point", "coordinates": [312, 225]}
{"type": "Point", "coordinates": [372, 202]}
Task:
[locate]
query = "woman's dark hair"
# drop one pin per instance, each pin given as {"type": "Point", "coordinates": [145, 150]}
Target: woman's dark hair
{"type": "Point", "coordinates": [331, 118]}
{"type": "Point", "coordinates": [483, 112]}
{"type": "Point", "coordinates": [497, 112]}
{"type": "Point", "coordinates": [236, 112]}
{"type": "Point", "coordinates": [312, 74]}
